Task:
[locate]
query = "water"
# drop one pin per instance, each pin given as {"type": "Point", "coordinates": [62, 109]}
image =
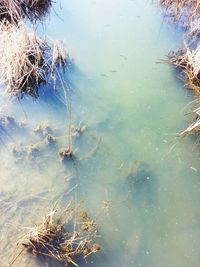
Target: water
{"type": "Point", "coordinates": [130, 168]}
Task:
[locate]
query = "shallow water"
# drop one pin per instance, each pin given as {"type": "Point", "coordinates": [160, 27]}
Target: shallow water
{"type": "Point", "coordinates": [140, 182]}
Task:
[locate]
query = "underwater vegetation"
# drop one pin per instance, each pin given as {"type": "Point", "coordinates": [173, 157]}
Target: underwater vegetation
{"type": "Point", "coordinates": [65, 235]}
{"type": "Point", "coordinates": [66, 154]}
{"type": "Point", "coordinates": [140, 182]}
{"type": "Point", "coordinates": [78, 129]}
{"type": "Point", "coordinates": [27, 62]}
{"type": "Point", "coordinates": [9, 125]}
{"type": "Point", "coordinates": [30, 152]}
{"type": "Point", "coordinates": [42, 138]}
{"type": "Point", "coordinates": [43, 129]}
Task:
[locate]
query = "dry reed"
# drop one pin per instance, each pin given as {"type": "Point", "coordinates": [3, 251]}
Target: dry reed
{"type": "Point", "coordinates": [27, 61]}
{"type": "Point", "coordinates": [13, 11]}
{"type": "Point", "coordinates": [194, 127]}
{"type": "Point", "coordinates": [188, 61]}
{"type": "Point", "coordinates": [185, 12]}
{"type": "Point", "coordinates": [65, 236]}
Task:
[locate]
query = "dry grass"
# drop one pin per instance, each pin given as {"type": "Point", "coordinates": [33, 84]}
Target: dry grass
{"type": "Point", "coordinates": [194, 127]}
{"type": "Point", "coordinates": [13, 11]}
{"type": "Point", "coordinates": [188, 61]}
{"type": "Point", "coordinates": [65, 236]}
{"type": "Point", "coordinates": [185, 11]}
{"type": "Point", "coordinates": [27, 61]}
{"type": "Point", "coordinates": [188, 58]}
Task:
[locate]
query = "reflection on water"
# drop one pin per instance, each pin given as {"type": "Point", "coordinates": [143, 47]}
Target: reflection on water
{"type": "Point", "coordinates": [137, 179]}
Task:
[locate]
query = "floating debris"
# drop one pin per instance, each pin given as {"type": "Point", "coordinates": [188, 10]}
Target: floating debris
{"type": "Point", "coordinates": [28, 61]}
{"type": "Point", "coordinates": [65, 235]}
{"type": "Point", "coordinates": [194, 169]}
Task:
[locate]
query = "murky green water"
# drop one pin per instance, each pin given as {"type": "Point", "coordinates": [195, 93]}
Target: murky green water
{"type": "Point", "coordinates": [139, 181]}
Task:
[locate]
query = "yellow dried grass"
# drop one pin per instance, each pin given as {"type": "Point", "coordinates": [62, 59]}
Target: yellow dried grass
{"type": "Point", "coordinates": [26, 60]}
{"type": "Point", "coordinates": [13, 11]}
{"type": "Point", "coordinates": [64, 235]}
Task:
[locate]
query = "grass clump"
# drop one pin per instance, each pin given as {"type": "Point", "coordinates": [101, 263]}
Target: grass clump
{"type": "Point", "coordinates": [65, 236]}
{"type": "Point", "coordinates": [188, 61]}
{"type": "Point", "coordinates": [35, 9]}
{"type": "Point", "coordinates": [27, 61]}
{"type": "Point", "coordinates": [194, 127]}
{"type": "Point", "coordinates": [185, 12]}
{"type": "Point", "coordinates": [12, 11]}
{"type": "Point", "coordinates": [66, 154]}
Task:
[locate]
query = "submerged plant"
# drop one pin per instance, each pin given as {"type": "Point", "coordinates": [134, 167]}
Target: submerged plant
{"type": "Point", "coordinates": [24, 153]}
{"type": "Point", "coordinates": [43, 129]}
{"type": "Point", "coordinates": [49, 139]}
{"type": "Point", "coordinates": [66, 154]}
{"type": "Point", "coordinates": [28, 61]}
{"type": "Point", "coordinates": [65, 236]}
{"type": "Point", "coordinates": [78, 129]}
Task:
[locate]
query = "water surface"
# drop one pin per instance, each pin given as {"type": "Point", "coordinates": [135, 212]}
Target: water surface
{"type": "Point", "coordinates": [138, 180]}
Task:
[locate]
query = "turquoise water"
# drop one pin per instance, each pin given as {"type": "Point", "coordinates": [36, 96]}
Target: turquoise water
{"type": "Point", "coordinates": [138, 180]}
